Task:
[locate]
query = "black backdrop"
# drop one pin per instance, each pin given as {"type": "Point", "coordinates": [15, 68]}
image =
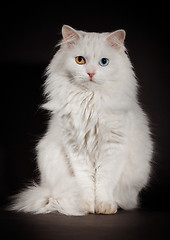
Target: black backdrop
{"type": "Point", "coordinates": [29, 33]}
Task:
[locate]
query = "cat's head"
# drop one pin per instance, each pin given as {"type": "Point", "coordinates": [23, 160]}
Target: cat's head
{"type": "Point", "coordinates": [90, 59]}
{"type": "Point", "coordinates": [87, 62]}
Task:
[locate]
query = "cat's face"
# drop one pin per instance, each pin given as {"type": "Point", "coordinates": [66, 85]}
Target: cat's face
{"type": "Point", "coordinates": [91, 59]}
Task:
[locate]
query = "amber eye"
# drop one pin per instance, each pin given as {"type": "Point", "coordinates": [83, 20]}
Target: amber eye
{"type": "Point", "coordinates": [80, 60]}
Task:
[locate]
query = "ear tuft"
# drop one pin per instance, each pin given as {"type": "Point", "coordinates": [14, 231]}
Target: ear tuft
{"type": "Point", "coordinates": [116, 39]}
{"type": "Point", "coordinates": [69, 34]}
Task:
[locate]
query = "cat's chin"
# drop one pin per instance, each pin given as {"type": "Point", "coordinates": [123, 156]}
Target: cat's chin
{"type": "Point", "coordinates": [89, 85]}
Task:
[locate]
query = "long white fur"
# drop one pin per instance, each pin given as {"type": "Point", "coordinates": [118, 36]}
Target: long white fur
{"type": "Point", "coordinates": [96, 154]}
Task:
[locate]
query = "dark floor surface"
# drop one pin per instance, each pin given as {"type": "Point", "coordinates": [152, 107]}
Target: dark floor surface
{"type": "Point", "coordinates": [129, 225]}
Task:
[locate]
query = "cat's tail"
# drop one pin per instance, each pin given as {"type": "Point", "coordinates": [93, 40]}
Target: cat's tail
{"type": "Point", "coordinates": [37, 199]}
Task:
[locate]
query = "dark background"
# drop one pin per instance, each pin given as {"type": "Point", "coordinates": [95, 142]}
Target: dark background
{"type": "Point", "coordinates": [29, 33]}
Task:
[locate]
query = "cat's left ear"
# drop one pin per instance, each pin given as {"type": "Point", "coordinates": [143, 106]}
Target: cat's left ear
{"type": "Point", "coordinates": [116, 39]}
{"type": "Point", "coordinates": [69, 34]}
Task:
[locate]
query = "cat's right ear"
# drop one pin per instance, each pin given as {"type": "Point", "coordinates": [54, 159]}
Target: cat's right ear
{"type": "Point", "coordinates": [116, 39]}
{"type": "Point", "coordinates": [69, 34]}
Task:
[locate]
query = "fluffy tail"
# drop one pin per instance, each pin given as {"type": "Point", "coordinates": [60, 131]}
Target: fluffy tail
{"type": "Point", "coordinates": [38, 199]}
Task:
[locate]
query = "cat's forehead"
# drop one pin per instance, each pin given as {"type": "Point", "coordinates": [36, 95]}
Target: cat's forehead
{"type": "Point", "coordinates": [90, 37]}
{"type": "Point", "coordinates": [91, 42]}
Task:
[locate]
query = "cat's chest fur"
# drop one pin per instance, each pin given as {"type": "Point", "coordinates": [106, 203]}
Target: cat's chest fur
{"type": "Point", "coordinates": [87, 124]}
{"type": "Point", "coordinates": [80, 120]}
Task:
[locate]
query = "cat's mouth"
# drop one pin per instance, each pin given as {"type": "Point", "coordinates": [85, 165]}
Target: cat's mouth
{"type": "Point", "coordinates": [91, 80]}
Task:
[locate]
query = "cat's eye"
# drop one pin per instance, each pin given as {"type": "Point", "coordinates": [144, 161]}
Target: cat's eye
{"type": "Point", "coordinates": [104, 62]}
{"type": "Point", "coordinates": [80, 60]}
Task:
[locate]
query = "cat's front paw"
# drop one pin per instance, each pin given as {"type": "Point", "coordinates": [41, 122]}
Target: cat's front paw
{"type": "Point", "coordinates": [89, 203]}
{"type": "Point", "coordinates": [106, 207]}
{"type": "Point", "coordinates": [89, 206]}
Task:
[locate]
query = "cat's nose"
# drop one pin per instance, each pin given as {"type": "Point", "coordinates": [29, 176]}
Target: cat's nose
{"type": "Point", "coordinates": [91, 74]}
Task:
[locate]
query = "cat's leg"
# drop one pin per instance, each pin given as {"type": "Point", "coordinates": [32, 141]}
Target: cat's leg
{"type": "Point", "coordinates": [136, 172]}
{"type": "Point", "coordinates": [126, 165]}
{"type": "Point", "coordinates": [108, 172]}
{"type": "Point", "coordinates": [137, 168]}
{"type": "Point", "coordinates": [84, 172]}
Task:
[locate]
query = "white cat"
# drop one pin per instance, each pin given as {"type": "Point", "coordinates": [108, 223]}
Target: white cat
{"type": "Point", "coordinates": [96, 154]}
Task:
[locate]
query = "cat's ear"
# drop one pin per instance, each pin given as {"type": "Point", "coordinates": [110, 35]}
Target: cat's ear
{"type": "Point", "coordinates": [69, 34]}
{"type": "Point", "coordinates": [116, 39]}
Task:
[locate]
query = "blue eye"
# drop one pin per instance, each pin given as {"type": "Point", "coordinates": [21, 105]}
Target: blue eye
{"type": "Point", "coordinates": [104, 62]}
